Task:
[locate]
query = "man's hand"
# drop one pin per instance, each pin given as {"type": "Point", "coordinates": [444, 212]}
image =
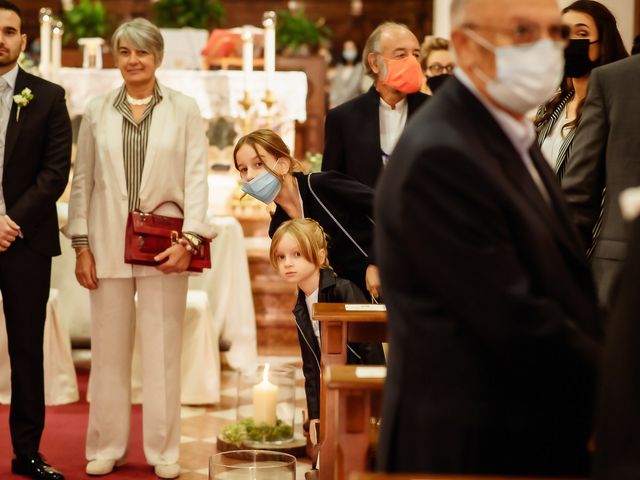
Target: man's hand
{"type": "Point", "coordinates": [372, 278]}
{"type": "Point", "coordinates": [9, 230]}
{"type": "Point", "coordinates": [177, 259]}
{"type": "Point", "coordinates": [86, 268]}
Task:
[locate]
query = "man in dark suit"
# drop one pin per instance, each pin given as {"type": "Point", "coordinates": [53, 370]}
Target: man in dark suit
{"type": "Point", "coordinates": [494, 327]}
{"type": "Point", "coordinates": [605, 154]}
{"type": "Point", "coordinates": [361, 133]}
{"type": "Point", "coordinates": [618, 417]}
{"type": "Point", "coordinates": [36, 146]}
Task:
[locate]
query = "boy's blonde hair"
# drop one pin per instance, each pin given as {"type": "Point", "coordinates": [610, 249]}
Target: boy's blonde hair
{"type": "Point", "coordinates": [310, 238]}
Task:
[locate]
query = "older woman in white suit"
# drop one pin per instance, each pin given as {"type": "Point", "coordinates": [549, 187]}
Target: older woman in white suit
{"type": "Point", "coordinates": [138, 146]}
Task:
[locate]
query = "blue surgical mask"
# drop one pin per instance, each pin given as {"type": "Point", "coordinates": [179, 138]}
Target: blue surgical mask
{"type": "Point", "coordinates": [349, 55]}
{"type": "Point", "coordinates": [265, 187]}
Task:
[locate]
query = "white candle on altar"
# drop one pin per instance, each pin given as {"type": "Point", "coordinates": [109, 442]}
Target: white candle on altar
{"type": "Point", "coordinates": [265, 399]}
{"type": "Point", "coordinates": [247, 55]}
{"type": "Point", "coordinates": [269, 24]}
{"type": "Point", "coordinates": [45, 39]}
{"type": "Point", "coordinates": [56, 46]}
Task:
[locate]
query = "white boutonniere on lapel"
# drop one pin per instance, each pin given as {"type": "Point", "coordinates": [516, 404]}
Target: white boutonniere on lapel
{"type": "Point", "coordinates": [22, 100]}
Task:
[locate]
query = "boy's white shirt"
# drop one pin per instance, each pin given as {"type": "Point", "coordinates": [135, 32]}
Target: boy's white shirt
{"type": "Point", "coordinates": [310, 300]}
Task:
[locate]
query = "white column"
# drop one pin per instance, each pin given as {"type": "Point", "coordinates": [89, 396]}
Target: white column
{"type": "Point", "coordinates": [442, 18]}
{"type": "Point", "coordinates": [247, 55]}
{"type": "Point", "coordinates": [45, 41]}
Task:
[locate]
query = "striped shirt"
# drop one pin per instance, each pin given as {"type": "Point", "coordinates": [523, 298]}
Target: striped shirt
{"type": "Point", "coordinates": [135, 137]}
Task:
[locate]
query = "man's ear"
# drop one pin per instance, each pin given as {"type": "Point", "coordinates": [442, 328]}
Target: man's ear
{"type": "Point", "coordinates": [373, 64]}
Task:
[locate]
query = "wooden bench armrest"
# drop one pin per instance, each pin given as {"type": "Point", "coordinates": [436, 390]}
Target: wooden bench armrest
{"type": "Point", "coordinates": [336, 312]}
{"type": "Point", "coordinates": [344, 377]}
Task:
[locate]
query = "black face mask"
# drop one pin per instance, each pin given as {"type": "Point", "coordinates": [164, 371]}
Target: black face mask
{"type": "Point", "coordinates": [434, 83]}
{"type": "Point", "coordinates": [576, 58]}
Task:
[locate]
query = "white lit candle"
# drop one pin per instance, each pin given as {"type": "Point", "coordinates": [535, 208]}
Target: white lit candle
{"type": "Point", "coordinates": [269, 24]}
{"type": "Point", "coordinates": [56, 46]}
{"type": "Point", "coordinates": [265, 399]}
{"type": "Point", "coordinates": [247, 54]}
{"type": "Point", "coordinates": [45, 40]}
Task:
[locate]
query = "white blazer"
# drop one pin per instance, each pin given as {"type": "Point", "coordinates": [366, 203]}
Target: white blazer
{"type": "Point", "coordinates": [175, 168]}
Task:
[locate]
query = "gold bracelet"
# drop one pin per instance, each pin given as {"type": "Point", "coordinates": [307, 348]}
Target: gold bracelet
{"type": "Point", "coordinates": [81, 251]}
{"type": "Point", "coordinates": [193, 240]}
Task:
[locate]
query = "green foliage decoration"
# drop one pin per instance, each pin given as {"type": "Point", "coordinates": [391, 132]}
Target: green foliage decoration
{"type": "Point", "coordinates": [189, 13]}
{"type": "Point", "coordinates": [295, 29]}
{"type": "Point", "coordinates": [88, 18]}
{"type": "Point", "coordinates": [247, 430]}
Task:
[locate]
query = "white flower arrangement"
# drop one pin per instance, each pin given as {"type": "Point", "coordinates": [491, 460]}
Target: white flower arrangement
{"type": "Point", "coordinates": [22, 100]}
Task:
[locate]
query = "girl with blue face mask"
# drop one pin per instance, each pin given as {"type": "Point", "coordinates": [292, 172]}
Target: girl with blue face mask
{"type": "Point", "coordinates": [340, 204]}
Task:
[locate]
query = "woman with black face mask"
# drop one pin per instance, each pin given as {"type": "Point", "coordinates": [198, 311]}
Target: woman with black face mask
{"type": "Point", "coordinates": [594, 41]}
{"type": "Point", "coordinates": [436, 63]}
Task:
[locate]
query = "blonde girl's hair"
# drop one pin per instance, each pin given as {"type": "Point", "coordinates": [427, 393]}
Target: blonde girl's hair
{"type": "Point", "coordinates": [273, 145]}
{"type": "Point", "coordinates": [310, 238]}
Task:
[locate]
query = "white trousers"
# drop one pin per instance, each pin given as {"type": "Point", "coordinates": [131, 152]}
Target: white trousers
{"type": "Point", "coordinates": [161, 304]}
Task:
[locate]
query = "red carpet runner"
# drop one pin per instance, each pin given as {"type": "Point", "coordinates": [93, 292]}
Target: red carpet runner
{"type": "Point", "coordinates": [63, 441]}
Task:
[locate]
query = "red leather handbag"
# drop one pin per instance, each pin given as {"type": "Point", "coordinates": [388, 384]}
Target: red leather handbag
{"type": "Point", "coordinates": [149, 234]}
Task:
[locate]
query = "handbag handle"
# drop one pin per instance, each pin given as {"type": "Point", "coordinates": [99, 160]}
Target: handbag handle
{"type": "Point", "coordinates": [163, 203]}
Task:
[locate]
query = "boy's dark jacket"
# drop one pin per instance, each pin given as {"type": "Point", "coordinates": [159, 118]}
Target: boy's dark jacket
{"type": "Point", "coordinates": [331, 290]}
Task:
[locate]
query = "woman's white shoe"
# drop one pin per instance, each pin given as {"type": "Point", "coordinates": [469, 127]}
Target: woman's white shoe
{"type": "Point", "coordinates": [171, 470]}
{"type": "Point", "coordinates": [100, 467]}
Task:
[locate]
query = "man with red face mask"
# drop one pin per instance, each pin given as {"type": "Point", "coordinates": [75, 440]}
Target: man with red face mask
{"type": "Point", "coordinates": [361, 133]}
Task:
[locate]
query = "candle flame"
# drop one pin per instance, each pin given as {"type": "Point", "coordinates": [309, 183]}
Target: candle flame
{"type": "Point", "coordinates": [265, 373]}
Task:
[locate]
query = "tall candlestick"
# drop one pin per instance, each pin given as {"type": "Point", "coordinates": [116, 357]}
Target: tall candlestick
{"type": "Point", "coordinates": [45, 40]}
{"type": "Point", "coordinates": [265, 399]}
{"type": "Point", "coordinates": [269, 24]}
{"type": "Point", "coordinates": [56, 46]}
{"type": "Point", "coordinates": [247, 55]}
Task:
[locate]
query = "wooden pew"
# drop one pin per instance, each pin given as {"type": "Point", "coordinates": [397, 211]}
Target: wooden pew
{"type": "Point", "coordinates": [426, 476]}
{"type": "Point", "coordinates": [337, 327]}
{"type": "Point", "coordinates": [356, 391]}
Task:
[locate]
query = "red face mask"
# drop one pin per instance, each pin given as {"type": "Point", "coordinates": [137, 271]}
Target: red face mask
{"type": "Point", "coordinates": [403, 74]}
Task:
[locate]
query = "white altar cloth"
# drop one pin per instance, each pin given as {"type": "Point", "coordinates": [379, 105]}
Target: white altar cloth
{"type": "Point", "coordinates": [217, 92]}
{"type": "Point", "coordinates": [60, 383]}
{"type": "Point", "coordinates": [228, 286]}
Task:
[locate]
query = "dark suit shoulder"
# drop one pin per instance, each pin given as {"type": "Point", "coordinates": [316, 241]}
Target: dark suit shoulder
{"type": "Point", "coordinates": [338, 290]}
{"type": "Point", "coordinates": [415, 100]}
{"type": "Point", "coordinates": [626, 66]}
{"type": "Point", "coordinates": [356, 104]}
{"type": "Point", "coordinates": [38, 83]}
{"type": "Point", "coordinates": [334, 182]}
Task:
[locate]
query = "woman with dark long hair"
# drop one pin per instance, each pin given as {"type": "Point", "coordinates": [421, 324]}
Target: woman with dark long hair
{"type": "Point", "coordinates": [594, 41]}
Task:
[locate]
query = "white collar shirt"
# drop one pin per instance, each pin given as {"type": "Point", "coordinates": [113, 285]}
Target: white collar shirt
{"type": "Point", "coordinates": [392, 122]}
{"type": "Point", "coordinates": [5, 103]}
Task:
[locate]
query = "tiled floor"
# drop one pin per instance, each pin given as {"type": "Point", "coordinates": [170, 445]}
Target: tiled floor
{"type": "Point", "coordinates": [201, 425]}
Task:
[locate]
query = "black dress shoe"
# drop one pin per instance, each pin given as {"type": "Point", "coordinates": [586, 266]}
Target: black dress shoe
{"type": "Point", "coordinates": [35, 468]}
